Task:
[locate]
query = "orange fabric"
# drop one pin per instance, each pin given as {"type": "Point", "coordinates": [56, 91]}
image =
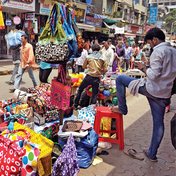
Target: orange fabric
{"type": "Point", "coordinates": [27, 56]}
{"type": "Point", "coordinates": [2, 26]}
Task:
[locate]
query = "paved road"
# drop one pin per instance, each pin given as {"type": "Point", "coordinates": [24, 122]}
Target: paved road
{"type": "Point", "coordinates": [137, 126]}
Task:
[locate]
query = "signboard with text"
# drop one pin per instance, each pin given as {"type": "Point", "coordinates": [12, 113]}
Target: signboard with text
{"type": "Point", "coordinates": [25, 5]}
{"type": "Point", "coordinates": [45, 7]}
{"type": "Point", "coordinates": [153, 14]}
{"type": "Point", "coordinates": [91, 20]}
{"type": "Point", "coordinates": [80, 15]}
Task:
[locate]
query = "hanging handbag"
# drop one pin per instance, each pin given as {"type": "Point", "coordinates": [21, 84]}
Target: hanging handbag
{"type": "Point", "coordinates": [2, 26]}
{"type": "Point", "coordinates": [80, 41]}
{"type": "Point", "coordinates": [60, 92]}
{"type": "Point", "coordinates": [68, 29]}
{"type": "Point", "coordinates": [52, 46]}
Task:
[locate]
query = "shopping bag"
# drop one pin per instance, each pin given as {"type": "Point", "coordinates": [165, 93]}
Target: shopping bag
{"type": "Point", "coordinates": [44, 164]}
{"type": "Point", "coordinates": [31, 151]}
{"type": "Point", "coordinates": [10, 157]}
{"type": "Point", "coordinates": [2, 26]}
{"type": "Point", "coordinates": [52, 46]}
{"type": "Point", "coordinates": [60, 93]}
{"type": "Point", "coordinates": [86, 149]}
{"type": "Point", "coordinates": [66, 164]}
{"type": "Point", "coordinates": [22, 95]}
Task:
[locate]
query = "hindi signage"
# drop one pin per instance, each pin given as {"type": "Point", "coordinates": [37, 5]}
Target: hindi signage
{"type": "Point", "coordinates": [27, 5]}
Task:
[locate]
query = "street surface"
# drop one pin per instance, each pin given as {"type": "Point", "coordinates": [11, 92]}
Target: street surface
{"type": "Point", "coordinates": [137, 126]}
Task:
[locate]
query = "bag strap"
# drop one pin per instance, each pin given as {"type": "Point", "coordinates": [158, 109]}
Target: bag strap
{"type": "Point", "coordinates": [61, 74]}
{"type": "Point", "coordinates": [17, 131]}
{"type": "Point", "coordinates": [63, 15]}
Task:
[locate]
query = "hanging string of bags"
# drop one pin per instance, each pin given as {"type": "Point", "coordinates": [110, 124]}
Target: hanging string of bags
{"type": "Point", "coordinates": [58, 41]}
{"type": "Point", "coordinates": [2, 26]}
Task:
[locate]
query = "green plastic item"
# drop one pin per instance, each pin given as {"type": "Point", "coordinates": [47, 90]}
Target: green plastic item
{"type": "Point", "coordinates": [115, 101]}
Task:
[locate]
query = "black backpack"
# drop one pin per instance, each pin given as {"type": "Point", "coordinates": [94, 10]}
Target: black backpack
{"type": "Point", "coordinates": [173, 131]}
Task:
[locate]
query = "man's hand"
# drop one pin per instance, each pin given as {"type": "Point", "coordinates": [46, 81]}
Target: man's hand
{"type": "Point", "coordinates": [140, 65]}
{"type": "Point", "coordinates": [26, 66]}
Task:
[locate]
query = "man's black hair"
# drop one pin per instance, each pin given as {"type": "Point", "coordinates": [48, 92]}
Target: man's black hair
{"type": "Point", "coordinates": [19, 27]}
{"type": "Point", "coordinates": [155, 32]}
{"type": "Point", "coordinates": [95, 47]}
{"type": "Point", "coordinates": [25, 36]}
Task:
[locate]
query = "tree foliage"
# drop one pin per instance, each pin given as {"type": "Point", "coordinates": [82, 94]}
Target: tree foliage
{"type": "Point", "coordinates": [169, 20]}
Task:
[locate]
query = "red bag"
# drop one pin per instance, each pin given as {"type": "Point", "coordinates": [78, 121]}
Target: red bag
{"type": "Point", "coordinates": [60, 92]}
{"type": "Point", "coordinates": [10, 157]}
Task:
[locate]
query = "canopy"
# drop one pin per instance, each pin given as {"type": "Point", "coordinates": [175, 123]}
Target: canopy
{"type": "Point", "coordinates": [118, 30]}
{"type": "Point", "coordinates": [110, 21]}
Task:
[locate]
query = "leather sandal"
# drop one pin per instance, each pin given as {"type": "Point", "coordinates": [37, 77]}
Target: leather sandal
{"type": "Point", "coordinates": [134, 154]}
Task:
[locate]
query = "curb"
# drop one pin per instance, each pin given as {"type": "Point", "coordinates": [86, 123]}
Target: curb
{"type": "Point", "coordinates": [5, 72]}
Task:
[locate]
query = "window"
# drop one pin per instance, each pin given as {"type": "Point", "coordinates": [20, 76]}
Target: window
{"type": "Point", "coordinates": [173, 3]}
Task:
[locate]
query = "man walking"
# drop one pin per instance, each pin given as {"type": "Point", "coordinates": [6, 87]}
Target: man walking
{"type": "Point", "coordinates": [156, 86]}
{"type": "Point", "coordinates": [27, 62]}
{"type": "Point", "coordinates": [15, 50]}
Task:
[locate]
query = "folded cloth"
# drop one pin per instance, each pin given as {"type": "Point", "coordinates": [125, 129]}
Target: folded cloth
{"type": "Point", "coordinates": [86, 126]}
{"type": "Point", "coordinates": [135, 85]}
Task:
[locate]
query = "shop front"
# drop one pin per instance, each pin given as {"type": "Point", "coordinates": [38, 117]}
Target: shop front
{"type": "Point", "coordinates": [134, 32]}
{"type": "Point", "coordinates": [13, 14]}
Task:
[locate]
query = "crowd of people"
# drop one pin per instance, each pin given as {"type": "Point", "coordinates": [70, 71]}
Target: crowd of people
{"type": "Point", "coordinates": [119, 56]}
{"type": "Point", "coordinates": [98, 58]}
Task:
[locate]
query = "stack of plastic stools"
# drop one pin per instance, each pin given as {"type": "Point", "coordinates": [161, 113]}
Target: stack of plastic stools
{"type": "Point", "coordinates": [101, 112]}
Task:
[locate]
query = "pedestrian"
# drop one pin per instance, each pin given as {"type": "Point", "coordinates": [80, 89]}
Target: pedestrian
{"type": "Point", "coordinates": [27, 63]}
{"type": "Point", "coordinates": [15, 50]}
{"type": "Point", "coordinates": [108, 54]}
{"type": "Point", "coordinates": [127, 57]}
{"type": "Point", "coordinates": [79, 61]}
{"type": "Point", "coordinates": [156, 86]}
{"type": "Point", "coordinates": [44, 71]}
{"type": "Point", "coordinates": [96, 67]}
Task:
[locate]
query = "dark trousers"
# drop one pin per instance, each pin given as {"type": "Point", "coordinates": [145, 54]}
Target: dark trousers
{"type": "Point", "coordinates": [79, 69]}
{"type": "Point", "coordinates": [88, 80]}
{"type": "Point", "coordinates": [44, 74]}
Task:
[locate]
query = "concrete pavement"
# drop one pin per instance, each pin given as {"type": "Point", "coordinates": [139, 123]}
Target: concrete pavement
{"type": "Point", "coordinates": [137, 129]}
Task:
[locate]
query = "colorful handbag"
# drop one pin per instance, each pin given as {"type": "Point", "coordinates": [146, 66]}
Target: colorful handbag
{"type": "Point", "coordinates": [31, 151]}
{"type": "Point", "coordinates": [52, 115]}
{"type": "Point", "coordinates": [52, 46]}
{"type": "Point", "coordinates": [10, 157]}
{"type": "Point", "coordinates": [60, 93]}
{"type": "Point", "coordinates": [45, 145]}
{"type": "Point", "coordinates": [66, 164]}
{"type": "Point", "coordinates": [51, 131]}
{"type": "Point", "coordinates": [2, 26]}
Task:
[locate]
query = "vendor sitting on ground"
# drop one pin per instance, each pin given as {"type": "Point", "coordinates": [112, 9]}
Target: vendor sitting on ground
{"type": "Point", "coordinates": [96, 67]}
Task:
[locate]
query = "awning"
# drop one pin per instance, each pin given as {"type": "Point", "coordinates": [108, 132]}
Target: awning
{"type": "Point", "coordinates": [130, 35]}
{"type": "Point", "coordinates": [117, 30]}
{"type": "Point", "coordinates": [110, 21]}
{"type": "Point", "coordinates": [86, 27]}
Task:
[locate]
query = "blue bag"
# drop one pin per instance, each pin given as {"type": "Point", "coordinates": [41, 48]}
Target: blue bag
{"type": "Point", "coordinates": [68, 29]}
{"type": "Point", "coordinates": [86, 149]}
{"type": "Point", "coordinates": [14, 38]}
